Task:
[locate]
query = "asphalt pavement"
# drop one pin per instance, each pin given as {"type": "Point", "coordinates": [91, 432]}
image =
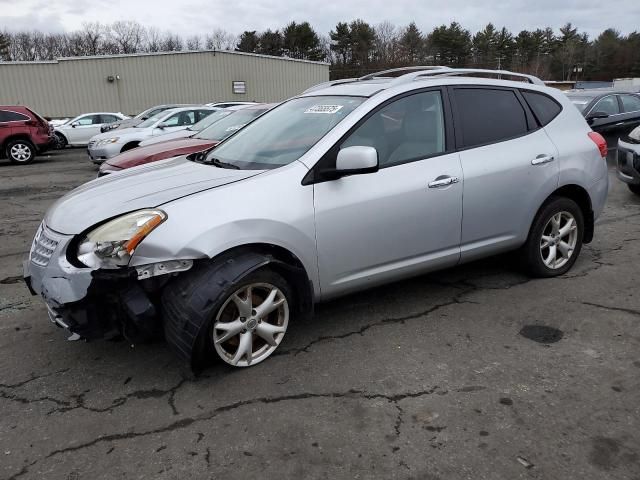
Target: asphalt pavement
{"type": "Point", "coordinates": [476, 372]}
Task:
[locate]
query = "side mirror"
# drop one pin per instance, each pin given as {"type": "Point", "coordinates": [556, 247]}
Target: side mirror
{"type": "Point", "coordinates": [162, 126]}
{"type": "Point", "coordinates": [596, 115]}
{"type": "Point", "coordinates": [75, 124]}
{"type": "Point", "coordinates": [353, 161]}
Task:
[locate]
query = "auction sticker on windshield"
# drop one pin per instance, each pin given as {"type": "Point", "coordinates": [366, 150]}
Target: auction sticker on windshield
{"type": "Point", "coordinates": [323, 109]}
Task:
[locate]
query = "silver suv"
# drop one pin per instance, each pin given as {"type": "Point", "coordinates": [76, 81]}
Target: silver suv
{"type": "Point", "coordinates": [352, 184]}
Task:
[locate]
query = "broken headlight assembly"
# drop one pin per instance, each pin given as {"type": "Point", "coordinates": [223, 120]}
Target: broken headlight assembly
{"type": "Point", "coordinates": [112, 244]}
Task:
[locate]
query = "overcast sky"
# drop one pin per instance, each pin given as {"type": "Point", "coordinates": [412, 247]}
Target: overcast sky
{"type": "Point", "coordinates": [190, 17]}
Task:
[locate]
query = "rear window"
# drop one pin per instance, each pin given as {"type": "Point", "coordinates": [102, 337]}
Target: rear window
{"type": "Point", "coordinates": [544, 108]}
{"type": "Point", "coordinates": [488, 115]}
{"type": "Point", "coordinates": [9, 116]}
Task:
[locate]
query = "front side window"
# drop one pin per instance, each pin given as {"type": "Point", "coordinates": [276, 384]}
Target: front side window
{"type": "Point", "coordinates": [608, 105]}
{"type": "Point", "coordinates": [630, 103]}
{"type": "Point", "coordinates": [284, 134]}
{"type": "Point", "coordinates": [488, 115]}
{"type": "Point", "coordinates": [410, 128]}
{"type": "Point", "coordinates": [88, 120]}
{"type": "Point", "coordinates": [181, 119]}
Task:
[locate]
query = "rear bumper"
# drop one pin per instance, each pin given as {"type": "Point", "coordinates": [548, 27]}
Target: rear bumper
{"type": "Point", "coordinates": [628, 162]}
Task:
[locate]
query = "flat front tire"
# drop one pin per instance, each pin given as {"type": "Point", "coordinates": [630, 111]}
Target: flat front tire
{"type": "Point", "coordinates": [242, 322]}
{"type": "Point", "coordinates": [555, 238]}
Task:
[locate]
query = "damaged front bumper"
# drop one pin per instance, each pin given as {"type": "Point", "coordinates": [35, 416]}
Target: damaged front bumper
{"type": "Point", "coordinates": [96, 304]}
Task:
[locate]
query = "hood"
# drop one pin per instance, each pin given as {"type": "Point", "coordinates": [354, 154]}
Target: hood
{"type": "Point", "coordinates": [144, 187]}
{"type": "Point", "coordinates": [169, 136]}
{"type": "Point", "coordinates": [159, 151]}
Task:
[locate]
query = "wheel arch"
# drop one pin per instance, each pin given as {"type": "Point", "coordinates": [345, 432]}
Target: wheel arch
{"type": "Point", "coordinates": [579, 195]}
{"type": "Point", "coordinates": [183, 329]}
{"type": "Point", "coordinates": [16, 136]}
{"type": "Point", "coordinates": [130, 145]}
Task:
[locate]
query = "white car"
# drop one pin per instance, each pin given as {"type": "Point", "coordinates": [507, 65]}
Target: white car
{"type": "Point", "coordinates": [79, 130]}
{"type": "Point", "coordinates": [109, 144]}
{"type": "Point", "coordinates": [198, 127]}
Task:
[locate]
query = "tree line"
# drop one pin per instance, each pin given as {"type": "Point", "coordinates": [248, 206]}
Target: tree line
{"type": "Point", "coordinates": [357, 47]}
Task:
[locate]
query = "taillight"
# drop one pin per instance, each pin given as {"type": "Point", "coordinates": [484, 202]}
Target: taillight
{"type": "Point", "coordinates": [600, 142]}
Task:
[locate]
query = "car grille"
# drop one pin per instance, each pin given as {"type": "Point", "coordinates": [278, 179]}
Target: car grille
{"type": "Point", "coordinates": [43, 247]}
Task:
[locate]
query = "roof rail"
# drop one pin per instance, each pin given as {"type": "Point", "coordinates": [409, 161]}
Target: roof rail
{"type": "Point", "coordinates": [446, 72]}
{"type": "Point", "coordinates": [420, 68]}
{"type": "Point", "coordinates": [330, 83]}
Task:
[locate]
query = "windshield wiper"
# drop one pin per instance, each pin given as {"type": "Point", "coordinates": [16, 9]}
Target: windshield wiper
{"type": "Point", "coordinates": [220, 164]}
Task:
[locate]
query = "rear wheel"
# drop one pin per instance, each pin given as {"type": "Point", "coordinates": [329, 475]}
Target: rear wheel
{"type": "Point", "coordinates": [21, 151]}
{"type": "Point", "coordinates": [555, 239]}
{"type": "Point", "coordinates": [635, 188]}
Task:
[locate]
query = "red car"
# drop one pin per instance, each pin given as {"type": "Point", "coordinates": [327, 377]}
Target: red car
{"type": "Point", "coordinates": [23, 134]}
{"type": "Point", "coordinates": [198, 142]}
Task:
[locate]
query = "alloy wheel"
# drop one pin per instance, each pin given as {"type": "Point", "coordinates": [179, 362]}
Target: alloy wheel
{"type": "Point", "coordinates": [558, 240]}
{"type": "Point", "coordinates": [20, 152]}
{"type": "Point", "coordinates": [250, 324]}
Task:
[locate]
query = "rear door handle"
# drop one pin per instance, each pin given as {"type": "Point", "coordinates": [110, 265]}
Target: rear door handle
{"type": "Point", "coordinates": [443, 182]}
{"type": "Point", "coordinates": [542, 159]}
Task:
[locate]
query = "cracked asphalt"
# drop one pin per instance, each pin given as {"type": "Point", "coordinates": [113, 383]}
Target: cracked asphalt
{"type": "Point", "coordinates": [427, 379]}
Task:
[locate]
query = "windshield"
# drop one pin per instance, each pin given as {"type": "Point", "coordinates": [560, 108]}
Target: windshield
{"type": "Point", "coordinates": [285, 133]}
{"type": "Point", "coordinates": [580, 102]}
{"type": "Point", "coordinates": [233, 122]}
{"type": "Point", "coordinates": [209, 120]}
{"type": "Point", "coordinates": [151, 120]}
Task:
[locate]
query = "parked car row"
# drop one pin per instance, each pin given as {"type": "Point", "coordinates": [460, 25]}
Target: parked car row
{"type": "Point", "coordinates": [201, 137]}
{"type": "Point", "coordinates": [220, 250]}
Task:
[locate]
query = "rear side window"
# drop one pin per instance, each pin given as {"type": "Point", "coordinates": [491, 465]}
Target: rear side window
{"type": "Point", "coordinates": [544, 108]}
{"type": "Point", "coordinates": [9, 116]}
{"type": "Point", "coordinates": [630, 103]}
{"type": "Point", "coordinates": [488, 115]}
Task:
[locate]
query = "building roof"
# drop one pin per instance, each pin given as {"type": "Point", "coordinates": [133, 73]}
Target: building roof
{"type": "Point", "coordinates": [151, 54]}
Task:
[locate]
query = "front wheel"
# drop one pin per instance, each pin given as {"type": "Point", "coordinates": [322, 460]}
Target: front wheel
{"type": "Point", "coordinates": [241, 322]}
{"type": "Point", "coordinates": [61, 141]}
{"type": "Point", "coordinates": [555, 239]}
{"type": "Point", "coordinates": [635, 188]}
{"type": "Point", "coordinates": [21, 151]}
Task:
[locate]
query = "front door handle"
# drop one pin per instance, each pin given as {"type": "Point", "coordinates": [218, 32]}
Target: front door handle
{"type": "Point", "coordinates": [542, 159]}
{"type": "Point", "coordinates": [443, 182]}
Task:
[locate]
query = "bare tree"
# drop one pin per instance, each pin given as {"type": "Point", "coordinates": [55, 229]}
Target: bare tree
{"type": "Point", "coordinates": [154, 40]}
{"type": "Point", "coordinates": [220, 39]}
{"type": "Point", "coordinates": [386, 42]}
{"type": "Point", "coordinates": [194, 42]}
{"type": "Point", "coordinates": [128, 35]}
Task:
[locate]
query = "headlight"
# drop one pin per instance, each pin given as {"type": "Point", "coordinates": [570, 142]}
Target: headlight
{"type": "Point", "coordinates": [112, 244]}
{"type": "Point", "coordinates": [108, 140]}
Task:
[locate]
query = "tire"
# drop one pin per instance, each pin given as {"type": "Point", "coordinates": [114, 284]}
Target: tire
{"type": "Point", "coordinates": [200, 305]}
{"type": "Point", "coordinates": [61, 141]}
{"type": "Point", "coordinates": [635, 188]}
{"type": "Point", "coordinates": [21, 151]}
{"type": "Point", "coordinates": [556, 253]}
